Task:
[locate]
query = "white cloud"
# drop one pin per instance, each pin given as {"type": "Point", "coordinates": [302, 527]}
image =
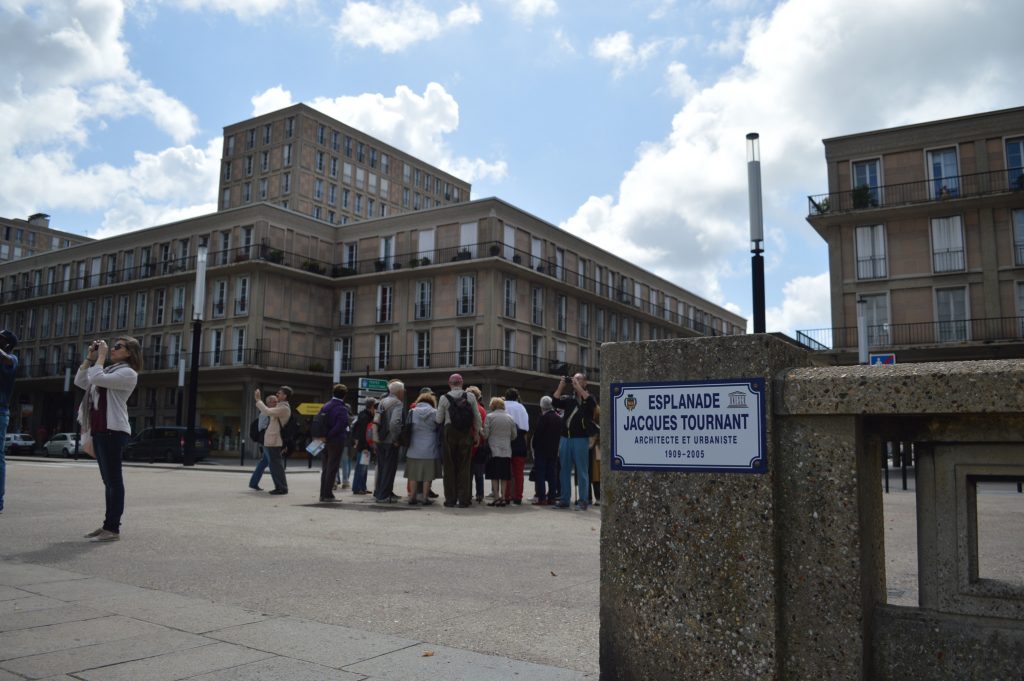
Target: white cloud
{"type": "Point", "coordinates": [806, 73]}
{"type": "Point", "coordinates": [618, 49]}
{"type": "Point", "coordinates": [680, 83]}
{"type": "Point", "coordinates": [242, 9]}
{"type": "Point", "coordinates": [414, 123]}
{"type": "Point", "coordinates": [271, 99]}
{"type": "Point", "coordinates": [528, 10]}
{"type": "Point", "coordinates": [805, 301]}
{"type": "Point", "coordinates": [396, 26]}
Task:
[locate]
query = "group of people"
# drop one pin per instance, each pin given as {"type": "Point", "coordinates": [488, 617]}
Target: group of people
{"type": "Point", "coordinates": [453, 437]}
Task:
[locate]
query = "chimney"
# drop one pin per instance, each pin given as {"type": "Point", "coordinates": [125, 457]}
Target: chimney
{"type": "Point", "coordinates": [39, 220]}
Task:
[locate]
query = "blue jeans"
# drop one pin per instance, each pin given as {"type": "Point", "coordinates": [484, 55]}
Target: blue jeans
{"type": "Point", "coordinates": [257, 473]}
{"type": "Point", "coordinates": [5, 417]}
{"type": "Point", "coordinates": [346, 466]}
{"type": "Point", "coordinates": [573, 451]}
{"type": "Point", "coordinates": [359, 477]}
{"type": "Point", "coordinates": [109, 447]}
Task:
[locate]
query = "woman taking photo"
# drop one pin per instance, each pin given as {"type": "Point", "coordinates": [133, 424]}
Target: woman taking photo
{"type": "Point", "coordinates": [499, 431]}
{"type": "Point", "coordinates": [108, 377]}
{"type": "Point", "coordinates": [423, 457]}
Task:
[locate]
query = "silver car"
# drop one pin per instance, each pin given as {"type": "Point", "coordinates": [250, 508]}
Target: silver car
{"type": "Point", "coordinates": [16, 443]}
{"type": "Point", "coordinates": [62, 444]}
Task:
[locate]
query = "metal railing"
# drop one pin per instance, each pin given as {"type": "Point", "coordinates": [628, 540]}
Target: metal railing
{"type": "Point", "coordinates": [920, 333]}
{"type": "Point", "coordinates": [921, 191]}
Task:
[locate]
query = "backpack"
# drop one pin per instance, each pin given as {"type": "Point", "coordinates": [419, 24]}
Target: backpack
{"type": "Point", "coordinates": [319, 427]}
{"type": "Point", "coordinates": [384, 425]}
{"type": "Point", "coordinates": [405, 436]}
{"type": "Point", "coordinates": [255, 434]}
{"type": "Point", "coordinates": [460, 411]}
{"type": "Point", "coordinates": [290, 432]}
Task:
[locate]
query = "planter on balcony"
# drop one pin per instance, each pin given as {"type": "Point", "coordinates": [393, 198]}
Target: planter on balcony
{"type": "Point", "coordinates": [380, 265]}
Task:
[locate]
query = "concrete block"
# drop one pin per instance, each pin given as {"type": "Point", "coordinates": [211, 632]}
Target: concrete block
{"type": "Point", "coordinates": [450, 664]}
{"type": "Point", "coordinates": [183, 664]}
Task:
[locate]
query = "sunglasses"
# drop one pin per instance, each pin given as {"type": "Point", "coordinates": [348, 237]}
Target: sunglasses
{"type": "Point", "coordinates": [119, 346]}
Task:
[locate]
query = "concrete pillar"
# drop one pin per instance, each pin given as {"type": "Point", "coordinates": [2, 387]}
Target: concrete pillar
{"type": "Point", "coordinates": [691, 583]}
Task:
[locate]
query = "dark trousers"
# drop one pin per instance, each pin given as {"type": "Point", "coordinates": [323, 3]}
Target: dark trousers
{"type": "Point", "coordinates": [515, 485]}
{"type": "Point", "coordinates": [545, 474]}
{"type": "Point", "coordinates": [478, 479]}
{"type": "Point", "coordinates": [387, 468]}
{"type": "Point", "coordinates": [276, 468]}
{"type": "Point", "coordinates": [109, 447]}
{"type": "Point", "coordinates": [458, 458]}
{"type": "Point", "coordinates": [329, 467]}
{"type": "Point", "coordinates": [359, 477]}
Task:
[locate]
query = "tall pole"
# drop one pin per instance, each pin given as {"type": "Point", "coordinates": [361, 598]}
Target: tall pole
{"type": "Point", "coordinates": [862, 331]}
{"type": "Point", "coordinates": [181, 385]}
{"type": "Point", "coordinates": [336, 375]}
{"type": "Point", "coordinates": [756, 228]}
{"type": "Point", "coordinates": [198, 303]}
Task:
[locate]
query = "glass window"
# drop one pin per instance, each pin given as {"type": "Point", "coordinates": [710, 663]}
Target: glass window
{"type": "Point", "coordinates": [871, 263]}
{"type": "Point", "coordinates": [422, 305]}
{"type": "Point", "coordinates": [465, 350]}
{"type": "Point", "coordinates": [346, 308]}
{"type": "Point", "coordinates": [584, 320]}
{"type": "Point", "coordinates": [537, 299]}
{"type": "Point", "coordinates": [951, 313]}
{"type": "Point", "coordinates": [510, 298]}
{"type": "Point", "coordinates": [561, 317]}
{"type": "Point", "coordinates": [422, 349]}
{"type": "Point", "coordinates": [876, 314]}
{"type": "Point", "coordinates": [242, 295]}
{"type": "Point", "coordinates": [382, 351]}
{"type": "Point", "coordinates": [466, 295]}
{"type": "Point", "coordinates": [944, 181]}
{"type": "Point", "coordinates": [1018, 236]}
{"type": "Point", "coordinates": [509, 348]}
{"type": "Point", "coordinates": [947, 244]}
{"type": "Point", "coordinates": [384, 302]}
{"type": "Point", "coordinates": [1015, 162]}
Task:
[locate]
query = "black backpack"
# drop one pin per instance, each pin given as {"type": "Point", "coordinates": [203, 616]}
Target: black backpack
{"type": "Point", "coordinates": [405, 436]}
{"type": "Point", "coordinates": [290, 432]}
{"type": "Point", "coordinates": [255, 434]}
{"type": "Point", "coordinates": [460, 411]}
{"type": "Point", "coordinates": [319, 427]}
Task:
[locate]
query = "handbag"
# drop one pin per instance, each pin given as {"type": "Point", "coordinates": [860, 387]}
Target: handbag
{"type": "Point", "coordinates": [483, 453]}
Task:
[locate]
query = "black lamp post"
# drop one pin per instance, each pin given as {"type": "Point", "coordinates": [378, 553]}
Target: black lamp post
{"type": "Point", "coordinates": [198, 303]}
{"type": "Point", "coordinates": [756, 228]}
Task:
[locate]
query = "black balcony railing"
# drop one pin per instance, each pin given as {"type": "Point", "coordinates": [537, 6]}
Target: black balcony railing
{"type": "Point", "coordinates": [922, 191]}
{"type": "Point", "coordinates": [872, 268]}
{"type": "Point", "coordinates": [923, 333]}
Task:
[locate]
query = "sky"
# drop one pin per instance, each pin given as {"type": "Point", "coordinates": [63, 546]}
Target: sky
{"type": "Point", "coordinates": [623, 122]}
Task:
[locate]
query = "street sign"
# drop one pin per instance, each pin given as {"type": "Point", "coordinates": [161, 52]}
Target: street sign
{"type": "Point", "coordinates": [373, 384]}
{"type": "Point", "coordinates": [882, 358]}
{"type": "Point", "coordinates": [309, 408]}
{"type": "Point", "coordinates": [693, 426]}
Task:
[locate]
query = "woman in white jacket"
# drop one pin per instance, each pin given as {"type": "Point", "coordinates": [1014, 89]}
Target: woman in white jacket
{"type": "Point", "coordinates": [104, 415]}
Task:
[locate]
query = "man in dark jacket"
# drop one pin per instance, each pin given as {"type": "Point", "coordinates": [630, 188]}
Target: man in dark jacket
{"type": "Point", "coordinates": [362, 444]}
{"type": "Point", "coordinates": [336, 413]}
{"type": "Point", "coordinates": [573, 450]}
{"type": "Point", "coordinates": [546, 437]}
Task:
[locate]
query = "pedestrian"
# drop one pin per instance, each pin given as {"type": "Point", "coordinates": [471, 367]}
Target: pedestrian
{"type": "Point", "coordinates": [362, 444]}
{"type": "Point", "coordinates": [577, 427]}
{"type": "Point", "coordinates": [104, 413]}
{"type": "Point", "coordinates": [478, 466]}
{"type": "Point", "coordinates": [520, 451]}
{"type": "Point", "coordinates": [423, 457]}
{"type": "Point", "coordinates": [262, 421]}
{"type": "Point", "coordinates": [500, 431]}
{"type": "Point", "coordinates": [546, 437]}
{"type": "Point", "coordinates": [272, 441]}
{"type": "Point", "coordinates": [459, 417]}
{"type": "Point", "coordinates": [8, 368]}
{"type": "Point", "coordinates": [335, 412]}
{"type": "Point", "coordinates": [388, 425]}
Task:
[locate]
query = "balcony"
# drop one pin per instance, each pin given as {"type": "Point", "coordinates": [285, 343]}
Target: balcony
{"type": "Point", "coordinates": [922, 191]}
{"type": "Point", "coordinates": [891, 336]}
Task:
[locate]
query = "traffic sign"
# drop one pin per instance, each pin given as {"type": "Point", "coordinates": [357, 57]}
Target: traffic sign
{"type": "Point", "coordinates": [882, 358]}
{"type": "Point", "coordinates": [373, 384]}
{"type": "Point", "coordinates": [309, 408]}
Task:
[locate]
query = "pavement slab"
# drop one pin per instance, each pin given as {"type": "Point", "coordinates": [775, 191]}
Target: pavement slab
{"type": "Point", "coordinates": [279, 669]}
{"type": "Point", "coordinates": [25, 642]}
{"type": "Point", "coordinates": [171, 610]}
{"type": "Point", "coordinates": [21, 574]}
{"type": "Point", "coordinates": [27, 619]}
{"type": "Point", "coordinates": [180, 664]}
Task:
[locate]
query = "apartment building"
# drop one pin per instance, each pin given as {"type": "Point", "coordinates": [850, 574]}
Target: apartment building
{"type": "Point", "coordinates": [308, 162]}
{"type": "Point", "coordinates": [925, 231]}
{"type": "Point", "coordinates": [480, 287]}
{"type": "Point", "coordinates": [21, 238]}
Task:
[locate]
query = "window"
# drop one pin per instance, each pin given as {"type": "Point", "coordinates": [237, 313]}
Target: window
{"type": "Point", "coordinates": [947, 244]}
{"type": "Point", "coordinates": [560, 352]}
{"type": "Point", "coordinates": [866, 183]}
{"type": "Point", "coordinates": [321, 134]}
{"type": "Point", "coordinates": [584, 320]}
{"type": "Point", "coordinates": [581, 273]}
{"type": "Point", "coordinates": [384, 187]}
{"type": "Point", "coordinates": [346, 354]}
{"type": "Point", "coordinates": [536, 247]}
{"type": "Point", "coordinates": [239, 357]}
{"type": "Point", "coordinates": [247, 192]}
{"type": "Point", "coordinates": [349, 255]}
{"type": "Point", "coordinates": [358, 208]}
{"type": "Point", "coordinates": [562, 314]}
{"type": "Point", "coordinates": [360, 178]}
{"type": "Point", "coordinates": [371, 183]}
{"type": "Point", "coordinates": [387, 251]}
{"type": "Point", "coordinates": [625, 328]}
{"type": "Point", "coordinates": [106, 312]}
{"type": "Point", "coordinates": [421, 306]}
{"type": "Point", "coordinates": [384, 302]}
{"type": "Point", "coordinates": [318, 189]}
{"type": "Point", "coordinates": [156, 351]}
{"type": "Point", "coordinates": [216, 346]}
{"type": "Point", "coordinates": [286, 155]}
{"type": "Point", "coordinates": [876, 315]}
{"type": "Point", "coordinates": [422, 349]}
{"type": "Point", "coordinates": [286, 183]}
{"type": "Point", "coordinates": [560, 264]}
{"type": "Point", "coordinates": [360, 152]}
{"type": "Point", "coordinates": [510, 298]}
{"type": "Point", "coordinates": [585, 358]}
{"type": "Point", "coordinates": [509, 242]}
{"type": "Point", "coordinates": [242, 295]}
{"type": "Point", "coordinates": [250, 138]}
{"type": "Point", "coordinates": [264, 161]}
{"type": "Point", "coordinates": [173, 350]}
{"type": "Point", "coordinates": [227, 171]}
{"type": "Point", "coordinates": [140, 309]}
{"type": "Point", "coordinates": [382, 351]}
{"type": "Point", "coordinates": [509, 348]}
{"type": "Point", "coordinates": [638, 290]}
{"type": "Point", "coordinates": [178, 306]}
{"type": "Point", "coordinates": [73, 318]}
{"type": "Point", "coordinates": [289, 126]}
{"type": "Point", "coordinates": [599, 280]}
{"type": "Point", "coordinates": [320, 161]}
{"type": "Point", "coordinates": [871, 263]}
{"type": "Point", "coordinates": [122, 312]}
{"type": "Point", "coordinates": [951, 313]}
{"type": "Point", "coordinates": [1015, 162]}
{"type": "Point", "coordinates": [600, 325]}
{"type": "Point", "coordinates": [537, 353]}
{"type": "Point", "coordinates": [537, 306]}
{"type": "Point", "coordinates": [942, 173]}
{"type": "Point", "coordinates": [1020, 307]}
{"type": "Point", "coordinates": [1018, 236]}
{"type": "Point", "coordinates": [263, 189]}
{"type": "Point", "coordinates": [405, 197]}
{"type": "Point", "coordinates": [44, 323]}
{"type": "Point", "coordinates": [465, 350]}
{"type": "Point", "coordinates": [159, 297]}
{"type": "Point", "coordinates": [466, 295]}
{"type": "Point", "coordinates": [344, 198]}
{"type": "Point", "coordinates": [229, 145]}
{"type": "Point", "coordinates": [90, 316]}
{"type": "Point", "coordinates": [425, 238]}
{"type": "Point", "coordinates": [369, 208]}
{"type": "Point", "coordinates": [220, 297]}
{"type": "Point", "coordinates": [248, 165]}
{"type": "Point", "coordinates": [346, 308]}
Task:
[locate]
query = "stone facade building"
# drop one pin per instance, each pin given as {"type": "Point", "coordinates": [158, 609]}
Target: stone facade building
{"type": "Point", "coordinates": [21, 238]}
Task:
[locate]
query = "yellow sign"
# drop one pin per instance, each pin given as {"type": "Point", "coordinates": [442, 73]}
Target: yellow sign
{"type": "Point", "coordinates": [309, 408]}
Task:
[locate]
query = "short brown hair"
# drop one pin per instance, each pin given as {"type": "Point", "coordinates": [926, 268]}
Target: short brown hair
{"type": "Point", "coordinates": [287, 392]}
{"type": "Point", "coordinates": [134, 352]}
{"type": "Point", "coordinates": [428, 398]}
{"type": "Point", "coordinates": [497, 403]}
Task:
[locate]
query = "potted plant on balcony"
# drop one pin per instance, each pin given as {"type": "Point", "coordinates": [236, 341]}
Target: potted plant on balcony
{"type": "Point", "coordinates": [863, 198]}
{"type": "Point", "coordinates": [339, 271]}
{"type": "Point", "coordinates": [495, 249]}
{"type": "Point", "coordinates": [380, 265]}
{"type": "Point", "coordinates": [821, 207]}
{"type": "Point", "coordinates": [463, 254]}
{"type": "Point", "coordinates": [317, 367]}
{"type": "Point", "coordinates": [275, 256]}
{"type": "Point", "coordinates": [313, 266]}
{"type": "Point", "coordinates": [517, 259]}
{"type": "Point", "coordinates": [414, 262]}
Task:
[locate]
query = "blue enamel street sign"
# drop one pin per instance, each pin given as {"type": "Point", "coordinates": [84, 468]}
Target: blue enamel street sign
{"type": "Point", "coordinates": [689, 426]}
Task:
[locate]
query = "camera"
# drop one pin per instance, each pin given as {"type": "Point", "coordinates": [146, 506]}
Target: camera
{"type": "Point", "coordinates": [567, 378]}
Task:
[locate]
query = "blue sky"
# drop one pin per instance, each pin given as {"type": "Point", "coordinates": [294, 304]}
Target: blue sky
{"type": "Point", "coordinates": [622, 122]}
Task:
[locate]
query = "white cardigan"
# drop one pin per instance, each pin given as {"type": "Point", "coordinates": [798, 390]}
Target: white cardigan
{"type": "Point", "coordinates": [119, 380]}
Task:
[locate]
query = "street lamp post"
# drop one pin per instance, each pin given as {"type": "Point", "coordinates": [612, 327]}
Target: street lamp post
{"type": "Point", "coordinates": [756, 228]}
{"type": "Point", "coordinates": [337, 361]}
{"type": "Point", "coordinates": [198, 303]}
{"type": "Point", "coordinates": [181, 386]}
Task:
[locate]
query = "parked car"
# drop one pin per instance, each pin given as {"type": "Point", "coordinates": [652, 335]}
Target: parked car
{"type": "Point", "coordinates": [16, 443]}
{"type": "Point", "coordinates": [165, 443]}
{"type": "Point", "coordinates": [62, 444]}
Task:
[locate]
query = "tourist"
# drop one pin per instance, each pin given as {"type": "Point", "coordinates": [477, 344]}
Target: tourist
{"type": "Point", "coordinates": [279, 415]}
{"type": "Point", "coordinates": [362, 445]}
{"type": "Point", "coordinates": [546, 437]}
{"type": "Point", "coordinates": [478, 465]}
{"type": "Point", "coordinates": [423, 457]}
{"type": "Point", "coordinates": [520, 450]}
{"type": "Point", "coordinates": [262, 421]}
{"type": "Point", "coordinates": [460, 419]}
{"type": "Point", "coordinates": [577, 427]}
{"type": "Point", "coordinates": [499, 431]}
{"type": "Point", "coordinates": [388, 425]}
{"type": "Point", "coordinates": [335, 413]}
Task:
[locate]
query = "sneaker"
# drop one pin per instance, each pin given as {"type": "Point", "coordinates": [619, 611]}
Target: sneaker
{"type": "Point", "coordinates": [597, 502]}
{"type": "Point", "coordinates": [560, 504]}
{"type": "Point", "coordinates": [256, 487]}
{"type": "Point", "coordinates": [581, 506]}
{"type": "Point", "coordinates": [95, 533]}
{"type": "Point", "coordinates": [106, 535]}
